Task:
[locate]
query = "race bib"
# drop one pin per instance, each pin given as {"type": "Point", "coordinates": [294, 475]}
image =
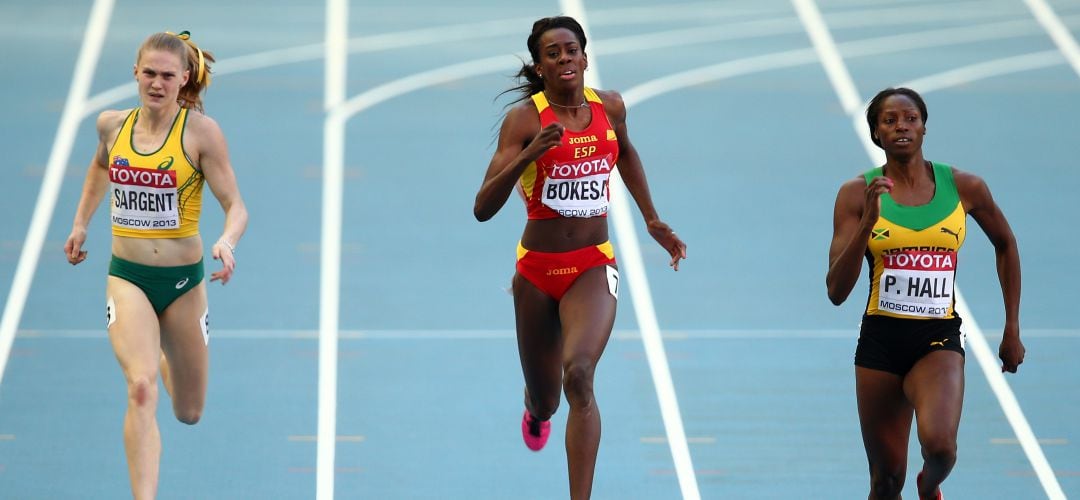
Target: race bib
{"type": "Point", "coordinates": [143, 198]}
{"type": "Point", "coordinates": [578, 189]}
{"type": "Point", "coordinates": [917, 283]}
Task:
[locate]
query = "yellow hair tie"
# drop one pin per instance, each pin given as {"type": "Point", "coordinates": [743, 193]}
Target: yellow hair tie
{"type": "Point", "coordinates": [186, 37]}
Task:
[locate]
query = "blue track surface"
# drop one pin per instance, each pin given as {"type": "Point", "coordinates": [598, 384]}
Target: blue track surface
{"type": "Point", "coordinates": [429, 387]}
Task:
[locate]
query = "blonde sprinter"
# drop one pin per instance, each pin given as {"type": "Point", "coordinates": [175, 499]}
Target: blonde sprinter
{"type": "Point", "coordinates": [152, 161]}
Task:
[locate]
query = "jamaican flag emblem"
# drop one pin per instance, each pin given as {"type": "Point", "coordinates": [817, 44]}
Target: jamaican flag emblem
{"type": "Point", "coordinates": [881, 234]}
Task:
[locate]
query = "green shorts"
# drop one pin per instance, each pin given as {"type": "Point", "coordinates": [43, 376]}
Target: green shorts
{"type": "Point", "coordinates": [162, 285]}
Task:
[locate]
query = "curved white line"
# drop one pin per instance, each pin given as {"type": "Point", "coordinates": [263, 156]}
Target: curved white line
{"type": "Point", "coordinates": [975, 338]}
{"type": "Point", "coordinates": [727, 69]}
{"type": "Point", "coordinates": [401, 86]}
{"type": "Point", "coordinates": [656, 40]}
{"type": "Point", "coordinates": [987, 69]}
{"type": "Point", "coordinates": [93, 39]}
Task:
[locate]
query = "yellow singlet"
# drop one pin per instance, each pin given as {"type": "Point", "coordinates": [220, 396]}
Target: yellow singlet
{"type": "Point", "coordinates": [912, 252]}
{"type": "Point", "coordinates": [158, 194]}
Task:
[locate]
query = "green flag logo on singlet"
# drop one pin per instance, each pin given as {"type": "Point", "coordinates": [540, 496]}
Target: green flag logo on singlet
{"type": "Point", "coordinates": [881, 234]}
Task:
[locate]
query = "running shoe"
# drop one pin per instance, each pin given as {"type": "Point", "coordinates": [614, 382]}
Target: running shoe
{"type": "Point", "coordinates": [534, 431]}
{"type": "Point", "coordinates": [918, 479]}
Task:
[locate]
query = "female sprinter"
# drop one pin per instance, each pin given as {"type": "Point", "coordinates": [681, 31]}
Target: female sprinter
{"type": "Point", "coordinates": [558, 146]}
{"type": "Point", "coordinates": [152, 161]}
{"type": "Point", "coordinates": [908, 220]}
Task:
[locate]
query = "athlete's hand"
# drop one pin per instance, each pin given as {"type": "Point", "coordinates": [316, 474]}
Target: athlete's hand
{"type": "Point", "coordinates": [224, 253]}
{"type": "Point", "coordinates": [549, 137]}
{"type": "Point", "coordinates": [872, 206]}
{"type": "Point", "coordinates": [73, 248]}
{"type": "Point", "coordinates": [665, 236]}
{"type": "Point", "coordinates": [1011, 351]}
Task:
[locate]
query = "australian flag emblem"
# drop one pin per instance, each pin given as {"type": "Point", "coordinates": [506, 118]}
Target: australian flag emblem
{"type": "Point", "coordinates": [120, 161]}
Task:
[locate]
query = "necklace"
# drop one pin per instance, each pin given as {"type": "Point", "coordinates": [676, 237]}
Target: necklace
{"type": "Point", "coordinates": [584, 103]}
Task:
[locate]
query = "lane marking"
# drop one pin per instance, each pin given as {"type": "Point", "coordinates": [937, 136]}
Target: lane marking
{"type": "Point", "coordinates": [1057, 30]}
{"type": "Point", "coordinates": [89, 53]}
{"type": "Point", "coordinates": [662, 39]}
{"type": "Point", "coordinates": [633, 267]}
{"type": "Point", "coordinates": [1046, 441]}
{"type": "Point", "coordinates": [844, 85]}
{"type": "Point", "coordinates": [977, 344]}
{"type": "Point", "coordinates": [311, 439]}
{"type": "Point", "coordinates": [690, 440]}
{"type": "Point", "coordinates": [337, 15]}
{"type": "Point", "coordinates": [472, 334]}
{"type": "Point", "coordinates": [825, 46]}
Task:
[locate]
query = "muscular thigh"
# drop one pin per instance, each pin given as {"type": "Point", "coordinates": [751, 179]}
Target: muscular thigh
{"type": "Point", "coordinates": [133, 328]}
{"type": "Point", "coordinates": [587, 312]}
{"type": "Point", "coordinates": [185, 334]}
{"type": "Point", "coordinates": [884, 417]}
{"type": "Point", "coordinates": [935, 387]}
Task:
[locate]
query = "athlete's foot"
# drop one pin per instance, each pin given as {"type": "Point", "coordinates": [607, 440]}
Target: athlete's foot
{"type": "Point", "coordinates": [918, 480]}
{"type": "Point", "coordinates": [534, 431]}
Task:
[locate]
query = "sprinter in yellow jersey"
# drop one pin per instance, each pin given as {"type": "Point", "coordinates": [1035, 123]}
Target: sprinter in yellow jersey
{"type": "Point", "coordinates": [152, 162]}
{"type": "Point", "coordinates": [908, 220]}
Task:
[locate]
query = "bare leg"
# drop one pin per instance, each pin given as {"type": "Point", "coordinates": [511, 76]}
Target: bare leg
{"type": "Point", "coordinates": [885, 418]}
{"type": "Point", "coordinates": [935, 386]}
{"type": "Point", "coordinates": [588, 313]}
{"type": "Point", "coordinates": [185, 357]}
{"type": "Point", "coordinates": [135, 337]}
{"type": "Point", "coordinates": [539, 344]}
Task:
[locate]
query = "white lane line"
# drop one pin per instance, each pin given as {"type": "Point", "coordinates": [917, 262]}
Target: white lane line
{"type": "Point", "coordinates": [830, 56]}
{"type": "Point", "coordinates": [1057, 30]}
{"type": "Point", "coordinates": [632, 264]}
{"type": "Point", "coordinates": [977, 344]}
{"type": "Point", "coordinates": [986, 69]}
{"type": "Point", "coordinates": [500, 335]}
{"type": "Point", "coordinates": [976, 341]}
{"type": "Point", "coordinates": [960, 76]}
{"type": "Point", "coordinates": [337, 15]}
{"type": "Point", "coordinates": [89, 54]}
{"type": "Point", "coordinates": [618, 17]}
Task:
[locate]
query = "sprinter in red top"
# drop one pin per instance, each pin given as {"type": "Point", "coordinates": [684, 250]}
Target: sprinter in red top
{"type": "Point", "coordinates": [558, 147]}
{"type": "Point", "coordinates": [572, 180]}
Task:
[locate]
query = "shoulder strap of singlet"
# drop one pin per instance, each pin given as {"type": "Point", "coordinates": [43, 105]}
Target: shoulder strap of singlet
{"type": "Point", "coordinates": [176, 133]}
{"type": "Point", "coordinates": [541, 102]}
{"type": "Point", "coordinates": [125, 129]}
{"type": "Point", "coordinates": [592, 96]}
{"type": "Point", "coordinates": [873, 172]}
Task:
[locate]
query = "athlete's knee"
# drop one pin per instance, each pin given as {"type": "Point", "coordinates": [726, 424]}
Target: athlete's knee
{"type": "Point", "coordinates": [578, 382]}
{"type": "Point", "coordinates": [189, 415]}
{"type": "Point", "coordinates": [886, 484]}
{"type": "Point", "coordinates": [886, 478]}
{"type": "Point", "coordinates": [940, 452]}
{"type": "Point", "coordinates": [543, 406]}
{"type": "Point", "coordinates": [143, 392]}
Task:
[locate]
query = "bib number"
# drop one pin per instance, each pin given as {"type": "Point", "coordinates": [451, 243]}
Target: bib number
{"type": "Point", "coordinates": [917, 283]}
{"type": "Point", "coordinates": [143, 198]}
{"type": "Point", "coordinates": [578, 189]}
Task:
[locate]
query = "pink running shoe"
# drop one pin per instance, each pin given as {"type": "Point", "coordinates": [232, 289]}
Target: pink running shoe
{"type": "Point", "coordinates": [918, 479]}
{"type": "Point", "coordinates": [534, 431]}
